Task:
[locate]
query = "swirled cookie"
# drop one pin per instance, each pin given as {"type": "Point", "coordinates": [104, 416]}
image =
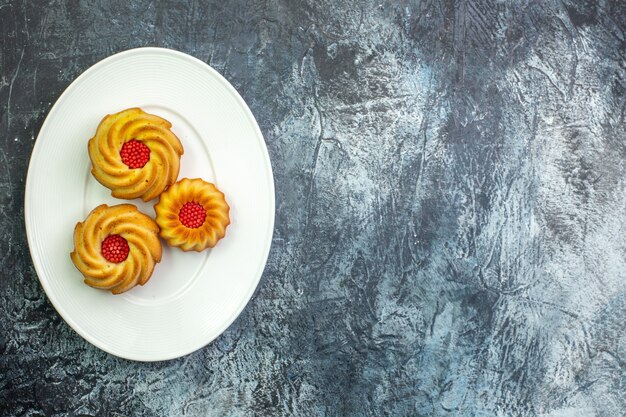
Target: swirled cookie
{"type": "Point", "coordinates": [192, 215]}
{"type": "Point", "coordinates": [135, 154]}
{"type": "Point", "coordinates": [116, 248]}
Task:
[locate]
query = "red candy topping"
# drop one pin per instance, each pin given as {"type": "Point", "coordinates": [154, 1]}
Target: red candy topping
{"type": "Point", "coordinates": [192, 215]}
{"type": "Point", "coordinates": [114, 248]}
{"type": "Point", "coordinates": [135, 154]}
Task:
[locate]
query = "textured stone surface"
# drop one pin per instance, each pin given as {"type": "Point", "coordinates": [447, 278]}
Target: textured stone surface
{"type": "Point", "coordinates": [451, 202]}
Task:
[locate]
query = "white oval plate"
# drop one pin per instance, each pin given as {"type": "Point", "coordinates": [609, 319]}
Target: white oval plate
{"type": "Point", "coordinates": [191, 298]}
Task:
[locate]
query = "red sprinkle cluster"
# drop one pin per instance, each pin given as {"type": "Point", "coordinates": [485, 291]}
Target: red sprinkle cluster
{"type": "Point", "coordinates": [115, 248]}
{"type": "Point", "coordinates": [135, 154]}
{"type": "Point", "coordinates": [192, 214]}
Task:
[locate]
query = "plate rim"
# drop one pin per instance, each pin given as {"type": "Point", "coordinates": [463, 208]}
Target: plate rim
{"type": "Point", "coordinates": [29, 184]}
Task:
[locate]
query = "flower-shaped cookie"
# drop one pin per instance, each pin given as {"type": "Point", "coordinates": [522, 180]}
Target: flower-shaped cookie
{"type": "Point", "coordinates": [192, 215]}
{"type": "Point", "coordinates": [116, 248]}
{"type": "Point", "coordinates": [135, 154]}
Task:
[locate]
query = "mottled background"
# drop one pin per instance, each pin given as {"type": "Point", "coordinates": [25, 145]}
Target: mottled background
{"type": "Point", "coordinates": [450, 209]}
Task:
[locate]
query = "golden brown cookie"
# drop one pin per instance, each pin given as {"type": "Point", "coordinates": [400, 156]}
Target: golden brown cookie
{"type": "Point", "coordinates": [192, 214]}
{"type": "Point", "coordinates": [116, 248]}
{"type": "Point", "coordinates": [135, 154]}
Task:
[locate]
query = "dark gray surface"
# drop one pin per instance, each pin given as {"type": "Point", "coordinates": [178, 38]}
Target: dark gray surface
{"type": "Point", "coordinates": [450, 199]}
